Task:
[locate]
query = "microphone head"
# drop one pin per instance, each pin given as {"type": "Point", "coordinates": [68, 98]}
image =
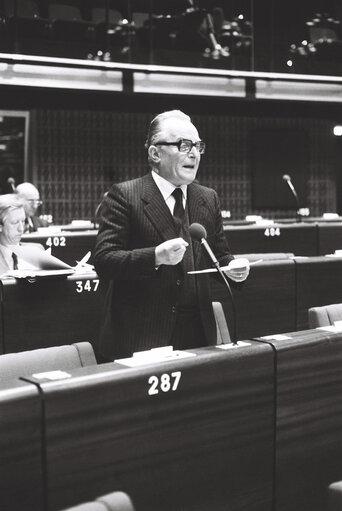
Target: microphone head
{"type": "Point", "coordinates": [11, 182]}
{"type": "Point", "coordinates": [197, 232]}
{"type": "Point", "coordinates": [286, 177]}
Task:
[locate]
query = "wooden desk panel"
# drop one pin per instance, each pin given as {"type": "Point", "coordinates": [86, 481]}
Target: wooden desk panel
{"type": "Point", "coordinates": [309, 419]}
{"type": "Point", "coordinates": [206, 445]}
{"type": "Point", "coordinates": [50, 312]}
{"type": "Point", "coordinates": [319, 282]}
{"type": "Point", "coordinates": [329, 238]}
{"type": "Point", "coordinates": [21, 478]}
{"type": "Point", "coordinates": [265, 303]}
{"type": "Point", "coordinates": [67, 246]}
{"type": "Point", "coordinates": [300, 239]}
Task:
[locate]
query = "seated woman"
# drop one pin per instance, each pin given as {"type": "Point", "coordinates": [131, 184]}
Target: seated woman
{"type": "Point", "coordinates": [12, 222]}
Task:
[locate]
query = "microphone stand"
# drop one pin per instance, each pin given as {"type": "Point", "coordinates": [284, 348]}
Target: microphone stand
{"type": "Point", "coordinates": [225, 280]}
{"type": "Point", "coordinates": [294, 193]}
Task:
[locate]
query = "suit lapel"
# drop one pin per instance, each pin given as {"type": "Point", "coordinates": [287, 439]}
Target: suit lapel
{"type": "Point", "coordinates": [156, 209]}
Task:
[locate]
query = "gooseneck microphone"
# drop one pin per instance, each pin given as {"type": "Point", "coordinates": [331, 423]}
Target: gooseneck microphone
{"type": "Point", "coordinates": [287, 180]}
{"type": "Point", "coordinates": [11, 182]}
{"type": "Point", "coordinates": [198, 233]}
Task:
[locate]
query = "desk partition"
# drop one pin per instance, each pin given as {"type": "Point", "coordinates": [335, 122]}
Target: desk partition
{"type": "Point", "coordinates": [329, 238]}
{"type": "Point", "coordinates": [265, 302]}
{"type": "Point", "coordinates": [190, 433]}
{"type": "Point", "coordinates": [298, 238]}
{"type": "Point", "coordinates": [21, 467]}
{"type": "Point", "coordinates": [50, 312]}
{"type": "Point", "coordinates": [318, 282]}
{"type": "Point", "coordinates": [308, 390]}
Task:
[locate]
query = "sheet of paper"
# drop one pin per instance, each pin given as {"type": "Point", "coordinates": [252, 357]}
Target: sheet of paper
{"type": "Point", "coordinates": [223, 268]}
{"type": "Point", "coordinates": [137, 361]}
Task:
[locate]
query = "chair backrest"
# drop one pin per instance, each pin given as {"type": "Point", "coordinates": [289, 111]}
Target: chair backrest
{"type": "Point", "coordinates": [25, 363]}
{"type": "Point", "coordinates": [62, 11]}
{"type": "Point", "coordinates": [335, 496]}
{"type": "Point", "coordinates": [115, 501]}
{"type": "Point", "coordinates": [325, 315]}
{"type": "Point", "coordinates": [223, 336]}
{"type": "Point", "coordinates": [98, 15]}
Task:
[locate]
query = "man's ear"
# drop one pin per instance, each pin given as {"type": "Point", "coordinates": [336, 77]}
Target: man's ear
{"type": "Point", "coordinates": [153, 153]}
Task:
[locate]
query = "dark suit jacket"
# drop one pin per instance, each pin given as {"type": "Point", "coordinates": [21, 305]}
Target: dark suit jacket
{"type": "Point", "coordinates": [139, 307]}
{"type": "Point", "coordinates": [36, 222]}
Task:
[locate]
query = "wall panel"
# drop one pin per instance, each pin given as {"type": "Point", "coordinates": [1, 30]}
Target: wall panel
{"type": "Point", "coordinates": [79, 153]}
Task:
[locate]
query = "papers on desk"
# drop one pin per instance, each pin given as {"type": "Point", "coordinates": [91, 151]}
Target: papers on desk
{"type": "Point", "coordinates": [38, 258]}
{"type": "Point", "coordinates": [153, 356]}
{"type": "Point", "coordinates": [41, 264]}
{"type": "Point", "coordinates": [52, 375]}
{"type": "Point", "coordinates": [231, 346]}
{"type": "Point", "coordinates": [37, 274]}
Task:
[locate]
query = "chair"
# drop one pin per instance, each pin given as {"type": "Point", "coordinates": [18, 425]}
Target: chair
{"type": "Point", "coordinates": [335, 496]}
{"type": "Point", "coordinates": [116, 501]}
{"type": "Point", "coordinates": [325, 315]}
{"type": "Point", "coordinates": [223, 336]}
{"type": "Point", "coordinates": [26, 21]}
{"type": "Point", "coordinates": [25, 363]}
{"type": "Point", "coordinates": [68, 24]}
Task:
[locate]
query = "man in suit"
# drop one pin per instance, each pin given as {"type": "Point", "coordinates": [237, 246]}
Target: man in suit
{"type": "Point", "coordinates": [144, 248]}
{"type": "Point", "coordinates": [12, 217]}
{"type": "Point", "coordinates": [31, 198]}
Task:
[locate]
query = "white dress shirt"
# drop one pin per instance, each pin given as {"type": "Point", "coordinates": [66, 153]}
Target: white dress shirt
{"type": "Point", "coordinates": [166, 188]}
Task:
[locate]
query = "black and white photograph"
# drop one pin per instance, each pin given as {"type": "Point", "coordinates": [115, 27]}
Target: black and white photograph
{"type": "Point", "coordinates": [170, 255]}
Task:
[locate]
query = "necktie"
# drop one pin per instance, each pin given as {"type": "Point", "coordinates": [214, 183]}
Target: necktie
{"type": "Point", "coordinates": [27, 225]}
{"type": "Point", "coordinates": [15, 261]}
{"type": "Point", "coordinates": [178, 211]}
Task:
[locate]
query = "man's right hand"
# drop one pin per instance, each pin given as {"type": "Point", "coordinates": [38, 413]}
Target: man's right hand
{"type": "Point", "coordinates": [170, 252]}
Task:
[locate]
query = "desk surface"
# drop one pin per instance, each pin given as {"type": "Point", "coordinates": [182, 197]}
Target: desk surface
{"type": "Point", "coordinates": [205, 444]}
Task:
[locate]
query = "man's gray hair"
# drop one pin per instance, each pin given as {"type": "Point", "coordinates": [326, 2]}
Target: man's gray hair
{"type": "Point", "coordinates": [156, 124]}
{"type": "Point", "coordinates": [8, 202]}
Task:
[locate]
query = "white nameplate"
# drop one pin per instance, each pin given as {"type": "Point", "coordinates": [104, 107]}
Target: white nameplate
{"type": "Point", "coordinates": [52, 375]}
{"type": "Point", "coordinates": [276, 337]}
{"type": "Point", "coordinates": [231, 346]}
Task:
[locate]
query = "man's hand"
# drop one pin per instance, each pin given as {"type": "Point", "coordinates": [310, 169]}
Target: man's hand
{"type": "Point", "coordinates": [170, 252]}
{"type": "Point", "coordinates": [238, 269]}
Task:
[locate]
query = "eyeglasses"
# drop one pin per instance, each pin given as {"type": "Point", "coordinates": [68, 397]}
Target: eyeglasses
{"type": "Point", "coordinates": [184, 145]}
{"type": "Point", "coordinates": [36, 202]}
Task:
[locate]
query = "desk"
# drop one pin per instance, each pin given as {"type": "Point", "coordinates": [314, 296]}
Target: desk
{"type": "Point", "coordinates": [21, 473]}
{"type": "Point", "coordinates": [299, 238]}
{"type": "Point", "coordinates": [265, 303]}
{"type": "Point", "coordinates": [206, 445]}
{"type": "Point", "coordinates": [329, 238]}
{"type": "Point", "coordinates": [308, 420]}
{"type": "Point", "coordinates": [319, 282]}
{"type": "Point", "coordinates": [50, 312]}
{"type": "Point", "coordinates": [67, 246]}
